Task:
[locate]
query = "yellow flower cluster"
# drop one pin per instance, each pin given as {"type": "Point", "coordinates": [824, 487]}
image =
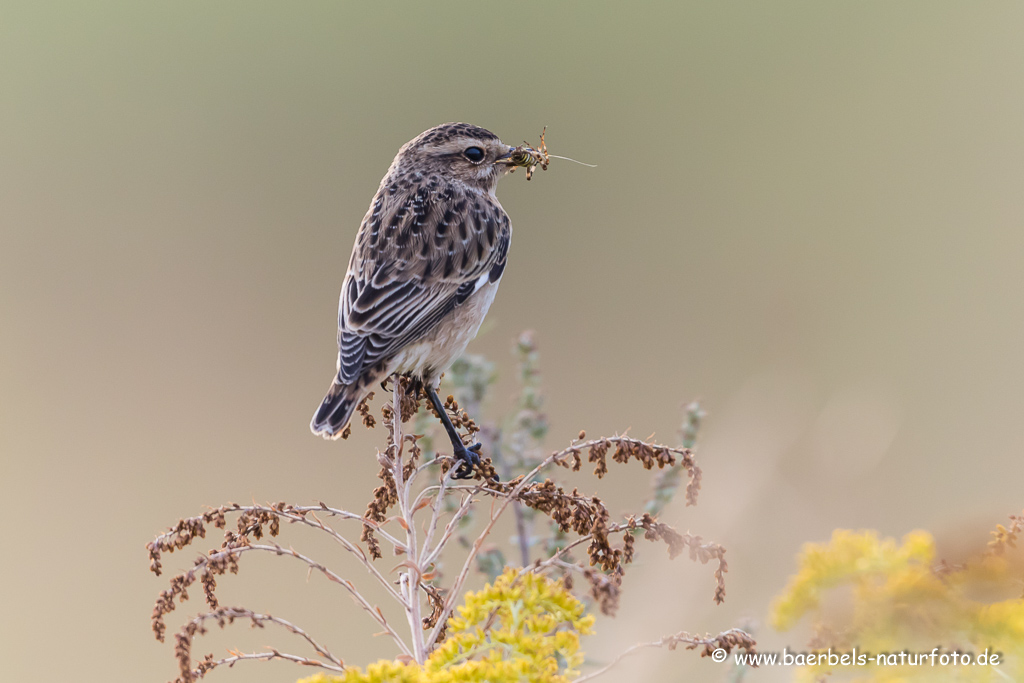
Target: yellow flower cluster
{"type": "Point", "coordinates": [520, 629]}
{"type": "Point", "coordinates": [858, 558]}
{"type": "Point", "coordinates": [900, 601]}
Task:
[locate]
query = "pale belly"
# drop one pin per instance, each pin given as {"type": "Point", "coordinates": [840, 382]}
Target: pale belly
{"type": "Point", "coordinates": [433, 354]}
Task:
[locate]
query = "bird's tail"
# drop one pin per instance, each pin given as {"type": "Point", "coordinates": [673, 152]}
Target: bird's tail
{"type": "Point", "coordinates": [336, 410]}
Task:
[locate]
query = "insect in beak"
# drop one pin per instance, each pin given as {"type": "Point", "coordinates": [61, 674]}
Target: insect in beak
{"type": "Point", "coordinates": [505, 157]}
{"type": "Point", "coordinates": [527, 157]}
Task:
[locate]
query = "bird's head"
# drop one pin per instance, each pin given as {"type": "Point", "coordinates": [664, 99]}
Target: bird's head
{"type": "Point", "coordinates": [455, 151]}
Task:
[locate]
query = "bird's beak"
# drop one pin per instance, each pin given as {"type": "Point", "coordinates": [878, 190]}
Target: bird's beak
{"type": "Point", "coordinates": [503, 159]}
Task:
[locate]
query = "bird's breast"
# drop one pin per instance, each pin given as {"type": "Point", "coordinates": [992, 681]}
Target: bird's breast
{"type": "Point", "coordinates": [434, 353]}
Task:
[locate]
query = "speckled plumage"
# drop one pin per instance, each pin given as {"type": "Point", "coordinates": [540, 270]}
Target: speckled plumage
{"type": "Point", "coordinates": [426, 264]}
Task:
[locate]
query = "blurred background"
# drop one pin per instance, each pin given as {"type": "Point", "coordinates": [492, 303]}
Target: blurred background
{"type": "Point", "coordinates": [807, 215]}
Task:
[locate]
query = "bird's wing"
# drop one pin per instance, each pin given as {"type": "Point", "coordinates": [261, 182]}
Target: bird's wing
{"type": "Point", "coordinates": [418, 255]}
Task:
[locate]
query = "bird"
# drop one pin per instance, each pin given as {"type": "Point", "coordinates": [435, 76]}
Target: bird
{"type": "Point", "coordinates": [427, 261]}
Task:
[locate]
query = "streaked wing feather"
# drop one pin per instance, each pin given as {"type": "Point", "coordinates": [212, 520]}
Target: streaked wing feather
{"type": "Point", "coordinates": [417, 257]}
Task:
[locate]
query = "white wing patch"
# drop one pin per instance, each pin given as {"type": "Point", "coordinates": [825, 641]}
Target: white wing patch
{"type": "Point", "coordinates": [481, 281]}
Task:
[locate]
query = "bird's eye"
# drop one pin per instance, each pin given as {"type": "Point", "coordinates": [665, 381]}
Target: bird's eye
{"type": "Point", "coordinates": [474, 154]}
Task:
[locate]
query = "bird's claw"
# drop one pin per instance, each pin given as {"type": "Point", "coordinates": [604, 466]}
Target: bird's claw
{"type": "Point", "coordinates": [468, 457]}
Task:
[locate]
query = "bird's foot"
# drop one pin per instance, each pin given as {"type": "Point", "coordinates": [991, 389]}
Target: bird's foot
{"type": "Point", "coordinates": [468, 457]}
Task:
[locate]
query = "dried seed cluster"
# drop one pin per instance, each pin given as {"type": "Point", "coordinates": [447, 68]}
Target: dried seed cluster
{"type": "Point", "coordinates": [251, 522]}
{"type": "Point", "coordinates": [605, 589]}
{"type": "Point", "coordinates": [384, 498]}
{"type": "Point", "coordinates": [367, 418]}
{"type": "Point", "coordinates": [730, 640]}
{"type": "Point", "coordinates": [1006, 537]}
{"type": "Point", "coordinates": [626, 449]}
{"type": "Point", "coordinates": [699, 550]}
{"type": "Point", "coordinates": [183, 640]}
{"type": "Point", "coordinates": [609, 546]}
{"type": "Point", "coordinates": [369, 421]}
{"type": "Point", "coordinates": [436, 599]}
{"type": "Point", "coordinates": [586, 515]}
{"type": "Point", "coordinates": [412, 393]}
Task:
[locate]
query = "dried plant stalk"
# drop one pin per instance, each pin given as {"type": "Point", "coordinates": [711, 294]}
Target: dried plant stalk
{"type": "Point", "coordinates": [730, 640]}
{"type": "Point", "coordinates": [418, 510]}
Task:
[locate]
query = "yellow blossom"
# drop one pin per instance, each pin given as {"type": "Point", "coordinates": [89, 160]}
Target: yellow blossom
{"type": "Point", "coordinates": [519, 629]}
{"type": "Point", "coordinates": [900, 601]}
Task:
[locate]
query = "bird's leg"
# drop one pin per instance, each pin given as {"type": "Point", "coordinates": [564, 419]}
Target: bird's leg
{"type": "Point", "coordinates": [468, 456]}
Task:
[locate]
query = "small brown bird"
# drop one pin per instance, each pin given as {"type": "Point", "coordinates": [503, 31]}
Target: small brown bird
{"type": "Point", "coordinates": [424, 270]}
